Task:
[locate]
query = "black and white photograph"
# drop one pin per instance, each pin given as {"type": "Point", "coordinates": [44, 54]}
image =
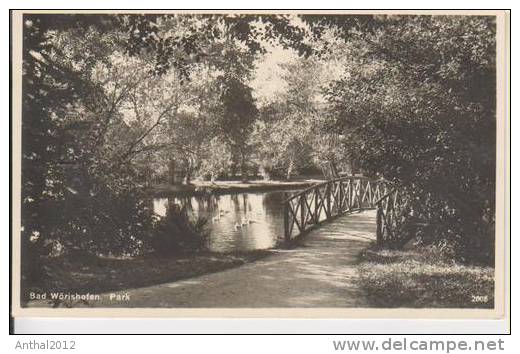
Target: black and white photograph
{"type": "Point", "coordinates": [282, 162]}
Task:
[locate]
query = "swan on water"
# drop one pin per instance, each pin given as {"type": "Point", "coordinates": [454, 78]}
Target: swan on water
{"type": "Point", "coordinates": [222, 212]}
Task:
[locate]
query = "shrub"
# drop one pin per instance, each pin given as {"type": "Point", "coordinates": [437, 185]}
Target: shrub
{"type": "Point", "coordinates": [176, 233]}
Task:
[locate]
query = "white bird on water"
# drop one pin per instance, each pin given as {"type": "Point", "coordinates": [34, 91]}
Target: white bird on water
{"type": "Point", "coordinates": [245, 221]}
{"type": "Point", "coordinates": [222, 212]}
{"type": "Point", "coordinates": [237, 226]}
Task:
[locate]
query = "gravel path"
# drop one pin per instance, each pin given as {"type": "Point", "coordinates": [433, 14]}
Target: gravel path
{"type": "Point", "coordinates": [320, 273]}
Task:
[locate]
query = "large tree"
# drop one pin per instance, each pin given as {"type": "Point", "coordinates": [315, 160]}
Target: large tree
{"type": "Point", "coordinates": [98, 91]}
{"type": "Point", "coordinates": [416, 103]}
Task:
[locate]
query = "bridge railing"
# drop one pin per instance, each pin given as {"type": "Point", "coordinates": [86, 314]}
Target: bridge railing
{"type": "Point", "coordinates": [327, 200]}
{"type": "Point", "coordinates": [394, 219]}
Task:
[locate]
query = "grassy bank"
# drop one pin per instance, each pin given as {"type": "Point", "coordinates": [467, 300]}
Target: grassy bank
{"type": "Point", "coordinates": [421, 278]}
{"type": "Point", "coordinates": [91, 274]}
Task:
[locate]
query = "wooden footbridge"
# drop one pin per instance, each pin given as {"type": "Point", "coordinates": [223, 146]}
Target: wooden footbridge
{"type": "Point", "coordinates": [339, 196]}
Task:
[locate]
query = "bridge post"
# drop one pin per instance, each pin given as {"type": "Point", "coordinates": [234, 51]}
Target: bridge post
{"type": "Point", "coordinates": [302, 212]}
{"type": "Point", "coordinates": [340, 206]}
{"type": "Point", "coordinates": [327, 194]}
{"type": "Point", "coordinates": [286, 235]}
{"type": "Point", "coordinates": [379, 225]}
{"type": "Point", "coordinates": [316, 209]}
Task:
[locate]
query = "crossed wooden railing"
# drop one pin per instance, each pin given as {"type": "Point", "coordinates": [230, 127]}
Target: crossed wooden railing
{"type": "Point", "coordinates": [394, 219]}
{"type": "Point", "coordinates": [327, 200]}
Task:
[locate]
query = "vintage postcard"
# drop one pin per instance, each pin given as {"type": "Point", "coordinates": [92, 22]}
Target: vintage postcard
{"type": "Point", "coordinates": [297, 164]}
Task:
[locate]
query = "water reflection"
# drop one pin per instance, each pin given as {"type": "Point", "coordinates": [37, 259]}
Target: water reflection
{"type": "Point", "coordinates": [238, 222]}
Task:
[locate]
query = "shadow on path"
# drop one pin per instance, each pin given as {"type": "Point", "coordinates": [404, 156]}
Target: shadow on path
{"type": "Point", "coordinates": [322, 273]}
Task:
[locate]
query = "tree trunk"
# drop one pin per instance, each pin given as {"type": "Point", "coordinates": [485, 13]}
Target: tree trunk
{"type": "Point", "coordinates": [243, 168]}
{"type": "Point", "coordinates": [233, 170]}
{"type": "Point", "coordinates": [290, 169]}
{"type": "Point", "coordinates": [172, 173]}
{"type": "Point", "coordinates": [265, 173]}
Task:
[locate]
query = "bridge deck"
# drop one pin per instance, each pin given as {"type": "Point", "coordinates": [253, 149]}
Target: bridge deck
{"type": "Point", "coordinates": [321, 273]}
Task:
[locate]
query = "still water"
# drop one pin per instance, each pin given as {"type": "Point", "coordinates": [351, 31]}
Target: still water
{"type": "Point", "coordinates": [238, 222]}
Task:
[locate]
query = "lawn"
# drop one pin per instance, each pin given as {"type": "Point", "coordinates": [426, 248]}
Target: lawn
{"type": "Point", "coordinates": [96, 275]}
{"type": "Point", "coordinates": [420, 278]}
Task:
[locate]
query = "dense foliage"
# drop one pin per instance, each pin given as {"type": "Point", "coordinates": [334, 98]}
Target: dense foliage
{"type": "Point", "coordinates": [417, 105]}
{"type": "Point", "coordinates": [110, 103]}
{"type": "Point", "coordinates": [115, 104]}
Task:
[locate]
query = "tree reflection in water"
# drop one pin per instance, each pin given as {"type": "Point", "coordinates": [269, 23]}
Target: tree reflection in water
{"type": "Point", "coordinates": [238, 222]}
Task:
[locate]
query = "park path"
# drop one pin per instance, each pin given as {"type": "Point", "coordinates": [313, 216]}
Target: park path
{"type": "Point", "coordinates": [320, 273]}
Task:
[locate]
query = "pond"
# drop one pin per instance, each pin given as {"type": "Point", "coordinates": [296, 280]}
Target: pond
{"type": "Point", "coordinates": [238, 222]}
